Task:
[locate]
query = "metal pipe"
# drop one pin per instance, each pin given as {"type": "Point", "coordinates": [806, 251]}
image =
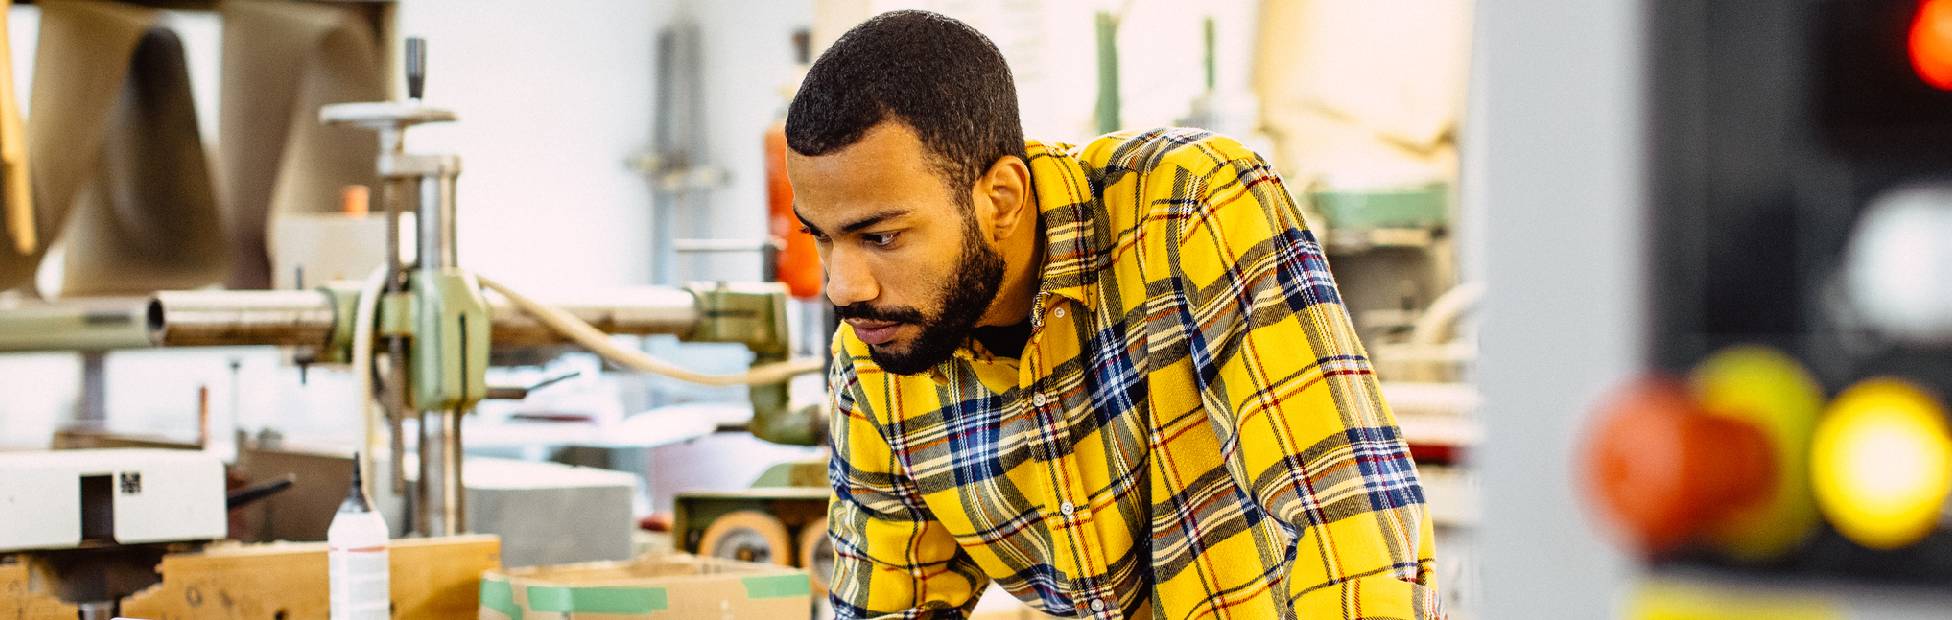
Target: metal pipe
{"type": "Point", "coordinates": [394, 195]}
{"type": "Point", "coordinates": [307, 318]}
{"type": "Point", "coordinates": [96, 610]}
{"type": "Point", "coordinates": [435, 219]}
{"type": "Point", "coordinates": [230, 318]}
{"type": "Point", "coordinates": [439, 509]}
{"type": "Point", "coordinates": [94, 325]}
{"type": "Point", "coordinates": [721, 245]}
{"type": "Point", "coordinates": [648, 310]}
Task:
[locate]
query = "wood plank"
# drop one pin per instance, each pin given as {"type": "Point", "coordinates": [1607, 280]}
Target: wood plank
{"type": "Point", "coordinates": [20, 601]}
{"type": "Point", "coordinates": [431, 578]}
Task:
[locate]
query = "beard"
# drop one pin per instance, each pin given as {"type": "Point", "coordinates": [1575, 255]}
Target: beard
{"type": "Point", "coordinates": [960, 302]}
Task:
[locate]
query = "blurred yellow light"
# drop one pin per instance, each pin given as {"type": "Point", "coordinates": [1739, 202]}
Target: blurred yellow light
{"type": "Point", "coordinates": [1881, 463]}
{"type": "Point", "coordinates": [1770, 390]}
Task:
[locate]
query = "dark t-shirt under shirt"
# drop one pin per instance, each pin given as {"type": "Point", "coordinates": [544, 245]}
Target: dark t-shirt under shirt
{"type": "Point", "coordinates": [1007, 341]}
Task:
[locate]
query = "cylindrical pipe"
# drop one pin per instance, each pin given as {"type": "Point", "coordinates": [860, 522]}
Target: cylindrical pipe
{"type": "Point", "coordinates": [393, 194]}
{"type": "Point", "coordinates": [306, 318]}
{"type": "Point", "coordinates": [440, 510]}
{"type": "Point", "coordinates": [650, 310]}
{"type": "Point", "coordinates": [95, 325]}
{"type": "Point", "coordinates": [435, 219]}
{"type": "Point", "coordinates": [96, 610]}
{"type": "Point", "coordinates": [230, 318]}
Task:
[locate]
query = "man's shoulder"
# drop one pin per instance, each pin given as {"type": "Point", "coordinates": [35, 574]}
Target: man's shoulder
{"type": "Point", "coordinates": [1163, 149]}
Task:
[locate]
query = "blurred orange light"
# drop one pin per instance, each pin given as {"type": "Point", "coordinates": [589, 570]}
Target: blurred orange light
{"type": "Point", "coordinates": [1931, 43]}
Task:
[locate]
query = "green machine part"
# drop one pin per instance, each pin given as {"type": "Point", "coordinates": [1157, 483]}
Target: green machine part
{"type": "Point", "coordinates": [449, 327]}
{"type": "Point", "coordinates": [754, 314]}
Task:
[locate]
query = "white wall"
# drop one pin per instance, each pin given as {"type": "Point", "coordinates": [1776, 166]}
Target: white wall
{"type": "Point", "coordinates": [554, 98]}
{"type": "Point", "coordinates": [747, 52]}
{"type": "Point", "coordinates": [1552, 176]}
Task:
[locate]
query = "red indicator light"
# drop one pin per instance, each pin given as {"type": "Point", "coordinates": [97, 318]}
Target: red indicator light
{"type": "Point", "coordinates": [1930, 43]}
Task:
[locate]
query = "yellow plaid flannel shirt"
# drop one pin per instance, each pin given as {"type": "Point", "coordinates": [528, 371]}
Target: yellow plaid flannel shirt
{"type": "Point", "coordinates": [1193, 430]}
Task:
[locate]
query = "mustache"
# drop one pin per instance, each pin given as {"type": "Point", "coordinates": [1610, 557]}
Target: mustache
{"type": "Point", "coordinates": [901, 314]}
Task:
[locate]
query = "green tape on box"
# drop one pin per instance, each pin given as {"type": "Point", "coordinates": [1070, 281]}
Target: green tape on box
{"type": "Point", "coordinates": [598, 600]}
{"type": "Point", "coordinates": [498, 596]}
{"type": "Point", "coordinates": [777, 586]}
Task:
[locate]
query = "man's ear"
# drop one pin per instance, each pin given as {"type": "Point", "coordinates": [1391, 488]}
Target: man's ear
{"type": "Point", "coordinates": [1006, 185]}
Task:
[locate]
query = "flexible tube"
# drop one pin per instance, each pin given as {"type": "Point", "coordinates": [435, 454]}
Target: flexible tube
{"type": "Point", "coordinates": [365, 314]}
{"type": "Point", "coordinates": [580, 332]}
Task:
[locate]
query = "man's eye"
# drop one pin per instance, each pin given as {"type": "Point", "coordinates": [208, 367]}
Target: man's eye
{"type": "Point", "coordinates": [881, 240]}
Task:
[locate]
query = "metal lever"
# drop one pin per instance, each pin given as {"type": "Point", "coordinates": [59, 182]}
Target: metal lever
{"type": "Point", "coordinates": [520, 393]}
{"type": "Point", "coordinates": [251, 494]}
{"type": "Point", "coordinates": [416, 67]}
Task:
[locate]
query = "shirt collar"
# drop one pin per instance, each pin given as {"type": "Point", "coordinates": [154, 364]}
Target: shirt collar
{"type": "Point", "coordinates": [1066, 197]}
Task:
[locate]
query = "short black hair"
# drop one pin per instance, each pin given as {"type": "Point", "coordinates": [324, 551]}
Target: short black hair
{"type": "Point", "coordinates": [937, 75]}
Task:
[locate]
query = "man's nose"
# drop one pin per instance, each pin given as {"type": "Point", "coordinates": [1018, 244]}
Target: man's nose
{"type": "Point", "coordinates": [848, 280]}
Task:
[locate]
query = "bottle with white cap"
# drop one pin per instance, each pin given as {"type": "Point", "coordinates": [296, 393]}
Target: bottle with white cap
{"type": "Point", "coordinates": [356, 549]}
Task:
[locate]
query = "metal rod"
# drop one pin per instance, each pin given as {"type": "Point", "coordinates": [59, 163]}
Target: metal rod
{"type": "Point", "coordinates": [306, 318]}
{"type": "Point", "coordinates": [721, 245]}
{"type": "Point", "coordinates": [648, 310]}
{"type": "Point", "coordinates": [225, 318]}
{"type": "Point", "coordinates": [96, 325]}
{"type": "Point", "coordinates": [393, 196]}
{"type": "Point", "coordinates": [439, 496]}
{"type": "Point", "coordinates": [435, 220]}
{"type": "Point", "coordinates": [94, 389]}
{"type": "Point", "coordinates": [96, 610]}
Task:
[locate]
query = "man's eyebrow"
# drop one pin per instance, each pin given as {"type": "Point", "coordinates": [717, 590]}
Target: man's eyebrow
{"type": "Point", "coordinates": [877, 218]}
{"type": "Point", "coordinates": [856, 225]}
{"type": "Point", "coordinates": [803, 221]}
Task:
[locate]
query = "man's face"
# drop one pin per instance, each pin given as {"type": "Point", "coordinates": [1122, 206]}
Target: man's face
{"type": "Point", "coordinates": [908, 265]}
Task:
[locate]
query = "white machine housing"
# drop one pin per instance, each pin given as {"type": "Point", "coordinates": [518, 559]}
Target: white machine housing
{"type": "Point", "coordinates": [62, 498]}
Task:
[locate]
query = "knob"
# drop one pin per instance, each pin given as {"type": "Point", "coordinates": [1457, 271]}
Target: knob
{"type": "Point", "coordinates": [416, 67]}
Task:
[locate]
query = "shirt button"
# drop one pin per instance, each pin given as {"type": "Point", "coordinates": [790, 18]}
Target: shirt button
{"type": "Point", "coordinates": [1067, 508]}
{"type": "Point", "coordinates": [1098, 605]}
{"type": "Point", "coordinates": [1059, 312]}
{"type": "Point", "coordinates": [1040, 399]}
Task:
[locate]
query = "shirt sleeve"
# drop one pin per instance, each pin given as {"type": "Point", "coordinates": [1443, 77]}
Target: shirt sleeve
{"type": "Point", "coordinates": [892, 559]}
{"type": "Point", "coordinates": [1292, 395]}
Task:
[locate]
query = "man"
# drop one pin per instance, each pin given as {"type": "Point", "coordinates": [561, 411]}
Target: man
{"type": "Point", "coordinates": [1115, 379]}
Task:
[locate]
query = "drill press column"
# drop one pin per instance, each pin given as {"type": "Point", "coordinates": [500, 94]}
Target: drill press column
{"type": "Point", "coordinates": [433, 311]}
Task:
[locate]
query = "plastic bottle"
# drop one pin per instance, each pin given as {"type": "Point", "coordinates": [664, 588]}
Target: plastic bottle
{"type": "Point", "coordinates": [356, 548]}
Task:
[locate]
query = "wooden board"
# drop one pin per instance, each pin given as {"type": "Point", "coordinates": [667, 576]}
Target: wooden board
{"type": "Point", "coordinates": [431, 578]}
{"type": "Point", "coordinates": [19, 601]}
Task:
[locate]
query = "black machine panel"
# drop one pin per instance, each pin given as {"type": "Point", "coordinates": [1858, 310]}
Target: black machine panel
{"type": "Point", "coordinates": [1773, 125]}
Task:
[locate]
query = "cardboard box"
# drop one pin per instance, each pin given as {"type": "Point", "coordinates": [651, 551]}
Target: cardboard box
{"type": "Point", "coordinates": [672, 586]}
